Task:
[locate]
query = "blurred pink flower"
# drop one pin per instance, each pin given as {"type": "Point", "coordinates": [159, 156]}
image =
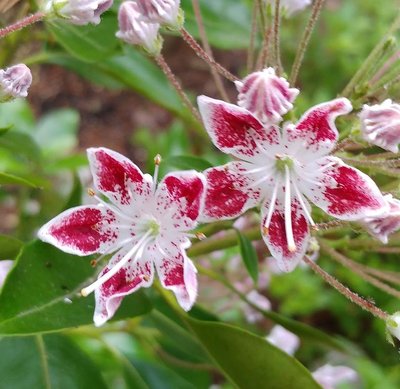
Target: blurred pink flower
{"type": "Point", "coordinates": [5, 267]}
{"type": "Point", "coordinates": [329, 376]}
{"type": "Point", "coordinates": [15, 82]}
{"type": "Point", "coordinates": [160, 11]}
{"type": "Point", "coordinates": [284, 339]}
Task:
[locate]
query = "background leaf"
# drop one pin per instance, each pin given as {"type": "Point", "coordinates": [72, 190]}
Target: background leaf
{"type": "Point", "coordinates": [249, 256]}
{"type": "Point", "coordinates": [9, 247]}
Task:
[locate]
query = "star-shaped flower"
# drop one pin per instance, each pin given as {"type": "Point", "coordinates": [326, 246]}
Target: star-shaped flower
{"type": "Point", "coordinates": [146, 226]}
{"type": "Point", "coordinates": [280, 169]}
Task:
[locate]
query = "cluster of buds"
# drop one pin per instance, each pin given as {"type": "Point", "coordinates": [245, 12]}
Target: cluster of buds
{"type": "Point", "coordinates": [14, 82]}
{"type": "Point", "coordinates": [141, 20]}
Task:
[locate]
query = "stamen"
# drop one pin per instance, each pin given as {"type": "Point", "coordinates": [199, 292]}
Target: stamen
{"type": "Point", "coordinates": [288, 213]}
{"type": "Point", "coordinates": [137, 249]}
{"type": "Point", "coordinates": [157, 161]}
{"type": "Point", "coordinates": [271, 208]}
{"type": "Point", "coordinates": [111, 207]}
{"type": "Point", "coordinates": [303, 205]}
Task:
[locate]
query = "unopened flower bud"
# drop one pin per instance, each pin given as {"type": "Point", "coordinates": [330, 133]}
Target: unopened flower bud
{"type": "Point", "coordinates": [266, 95]}
{"type": "Point", "coordinates": [79, 12]}
{"type": "Point", "coordinates": [15, 82]}
{"type": "Point", "coordinates": [136, 30]}
{"type": "Point", "coordinates": [161, 11]}
{"type": "Point", "coordinates": [380, 125]}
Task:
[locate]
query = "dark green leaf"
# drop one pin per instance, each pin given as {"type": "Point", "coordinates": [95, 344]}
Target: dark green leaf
{"type": "Point", "coordinates": [51, 361]}
{"type": "Point", "coordinates": [249, 360]}
{"type": "Point", "coordinates": [21, 145]}
{"type": "Point", "coordinates": [75, 197]}
{"type": "Point", "coordinates": [5, 129]}
{"type": "Point", "coordinates": [89, 43]}
{"type": "Point", "coordinates": [10, 179]}
{"type": "Point", "coordinates": [186, 162]}
{"type": "Point", "coordinates": [41, 293]}
{"type": "Point", "coordinates": [9, 247]}
{"type": "Point", "coordinates": [249, 256]}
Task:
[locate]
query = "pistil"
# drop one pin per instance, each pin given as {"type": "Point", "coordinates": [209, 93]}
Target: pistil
{"type": "Point", "coordinates": [288, 213]}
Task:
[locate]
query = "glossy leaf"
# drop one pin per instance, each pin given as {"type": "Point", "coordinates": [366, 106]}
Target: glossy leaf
{"type": "Point", "coordinates": [50, 361]}
{"type": "Point", "coordinates": [41, 293]}
{"type": "Point", "coordinates": [187, 162]}
{"type": "Point", "coordinates": [249, 256]}
{"type": "Point", "coordinates": [9, 247]}
{"type": "Point", "coordinates": [249, 361]}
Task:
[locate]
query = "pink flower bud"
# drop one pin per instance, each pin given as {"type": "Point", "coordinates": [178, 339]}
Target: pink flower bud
{"type": "Point", "coordinates": [79, 12]}
{"type": "Point", "coordinates": [160, 11]}
{"type": "Point", "coordinates": [329, 376]}
{"type": "Point", "coordinates": [15, 82]}
{"type": "Point", "coordinates": [380, 125]}
{"type": "Point", "coordinates": [385, 224]}
{"type": "Point", "coordinates": [135, 30]}
{"type": "Point", "coordinates": [284, 339]}
{"type": "Point", "coordinates": [266, 95]}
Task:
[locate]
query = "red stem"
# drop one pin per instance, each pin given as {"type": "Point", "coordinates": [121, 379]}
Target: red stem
{"type": "Point", "coordinates": [20, 24]}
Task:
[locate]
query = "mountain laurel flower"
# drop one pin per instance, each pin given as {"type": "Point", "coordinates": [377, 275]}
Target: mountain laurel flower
{"type": "Point", "coordinates": [329, 377]}
{"type": "Point", "coordinates": [162, 11]}
{"type": "Point", "coordinates": [381, 226]}
{"type": "Point", "coordinates": [393, 327]}
{"type": "Point", "coordinates": [14, 82]}
{"type": "Point", "coordinates": [78, 12]}
{"type": "Point", "coordinates": [266, 95]}
{"type": "Point", "coordinates": [280, 169]}
{"type": "Point", "coordinates": [136, 30]}
{"type": "Point", "coordinates": [284, 339]}
{"type": "Point", "coordinates": [143, 224]}
{"type": "Point", "coordinates": [380, 125]}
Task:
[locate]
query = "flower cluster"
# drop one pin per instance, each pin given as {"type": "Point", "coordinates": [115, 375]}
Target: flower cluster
{"type": "Point", "coordinates": [140, 22]}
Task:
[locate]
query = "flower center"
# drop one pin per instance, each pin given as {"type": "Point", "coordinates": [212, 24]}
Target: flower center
{"type": "Point", "coordinates": [152, 225]}
{"type": "Point", "coordinates": [283, 160]}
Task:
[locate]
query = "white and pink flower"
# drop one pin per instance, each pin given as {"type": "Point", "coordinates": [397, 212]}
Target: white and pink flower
{"type": "Point", "coordinates": [15, 81]}
{"type": "Point", "coordinates": [280, 169]}
{"type": "Point", "coordinates": [380, 125]}
{"type": "Point", "coordinates": [146, 226]}
{"type": "Point", "coordinates": [160, 11]}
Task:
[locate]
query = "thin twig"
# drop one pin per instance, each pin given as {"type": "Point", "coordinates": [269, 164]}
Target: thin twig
{"type": "Point", "coordinates": [277, 23]}
{"type": "Point", "coordinates": [346, 292]}
{"type": "Point", "coordinates": [205, 57]}
{"type": "Point", "coordinates": [316, 10]}
{"type": "Point", "coordinates": [253, 34]}
{"type": "Point", "coordinates": [176, 84]}
{"type": "Point", "coordinates": [203, 36]}
{"type": "Point", "coordinates": [20, 24]}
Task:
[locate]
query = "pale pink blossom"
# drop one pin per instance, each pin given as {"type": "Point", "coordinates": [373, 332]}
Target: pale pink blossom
{"type": "Point", "coordinates": [136, 30]}
{"type": "Point", "coordinates": [380, 125]}
{"type": "Point", "coordinates": [266, 95]}
{"type": "Point", "coordinates": [279, 169]}
{"type": "Point", "coordinates": [160, 11]}
{"type": "Point", "coordinates": [381, 226]}
{"type": "Point", "coordinates": [262, 302]}
{"type": "Point", "coordinates": [329, 377]}
{"type": "Point", "coordinates": [143, 224]}
{"type": "Point", "coordinates": [5, 267]}
{"type": "Point", "coordinates": [15, 82]}
{"type": "Point", "coordinates": [284, 339]}
{"type": "Point", "coordinates": [79, 12]}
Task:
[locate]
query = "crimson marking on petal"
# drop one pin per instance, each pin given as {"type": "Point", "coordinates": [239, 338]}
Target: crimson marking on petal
{"type": "Point", "coordinates": [350, 194]}
{"type": "Point", "coordinates": [84, 229]}
{"type": "Point", "coordinates": [223, 199]}
{"type": "Point", "coordinates": [112, 174]}
{"type": "Point", "coordinates": [173, 273]}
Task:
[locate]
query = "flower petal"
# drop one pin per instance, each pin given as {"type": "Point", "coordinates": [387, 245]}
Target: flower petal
{"type": "Point", "coordinates": [117, 177]}
{"type": "Point", "coordinates": [229, 192]}
{"type": "Point", "coordinates": [233, 129]}
{"type": "Point", "coordinates": [126, 281]}
{"type": "Point", "coordinates": [317, 129]}
{"type": "Point", "coordinates": [343, 191]}
{"type": "Point", "coordinates": [82, 230]}
{"type": "Point", "coordinates": [276, 237]}
{"type": "Point", "coordinates": [178, 274]}
{"type": "Point", "coordinates": [180, 197]}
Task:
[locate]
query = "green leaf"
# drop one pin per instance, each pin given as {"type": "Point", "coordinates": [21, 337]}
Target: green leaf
{"type": "Point", "coordinates": [22, 145]}
{"type": "Point", "coordinates": [249, 360]}
{"type": "Point", "coordinates": [186, 162]}
{"type": "Point", "coordinates": [9, 247]}
{"type": "Point", "coordinates": [10, 179]}
{"type": "Point", "coordinates": [51, 361]}
{"type": "Point", "coordinates": [249, 256]}
{"type": "Point", "coordinates": [41, 293]}
{"type": "Point", "coordinates": [88, 43]}
{"type": "Point", "coordinates": [75, 197]}
{"type": "Point", "coordinates": [5, 129]}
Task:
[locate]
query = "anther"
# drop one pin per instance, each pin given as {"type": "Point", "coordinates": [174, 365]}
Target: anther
{"type": "Point", "coordinates": [91, 192]}
{"type": "Point", "coordinates": [200, 236]}
{"type": "Point", "coordinates": [157, 159]}
{"type": "Point", "coordinates": [265, 230]}
{"type": "Point", "coordinates": [93, 263]}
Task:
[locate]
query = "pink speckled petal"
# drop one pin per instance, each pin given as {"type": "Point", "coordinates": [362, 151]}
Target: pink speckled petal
{"type": "Point", "coordinates": [316, 128]}
{"type": "Point", "coordinates": [177, 273]}
{"type": "Point", "coordinates": [276, 236]}
{"type": "Point", "coordinates": [229, 192]}
{"type": "Point", "coordinates": [82, 230]}
{"type": "Point", "coordinates": [180, 197]}
{"type": "Point", "coordinates": [118, 178]}
{"type": "Point", "coordinates": [343, 191]}
{"type": "Point", "coordinates": [234, 130]}
{"type": "Point", "coordinates": [129, 279]}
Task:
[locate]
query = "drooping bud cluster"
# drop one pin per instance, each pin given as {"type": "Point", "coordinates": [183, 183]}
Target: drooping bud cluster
{"type": "Point", "coordinates": [77, 11]}
{"type": "Point", "coordinates": [14, 82]}
{"type": "Point", "coordinates": [380, 125]}
{"type": "Point", "coordinates": [140, 22]}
